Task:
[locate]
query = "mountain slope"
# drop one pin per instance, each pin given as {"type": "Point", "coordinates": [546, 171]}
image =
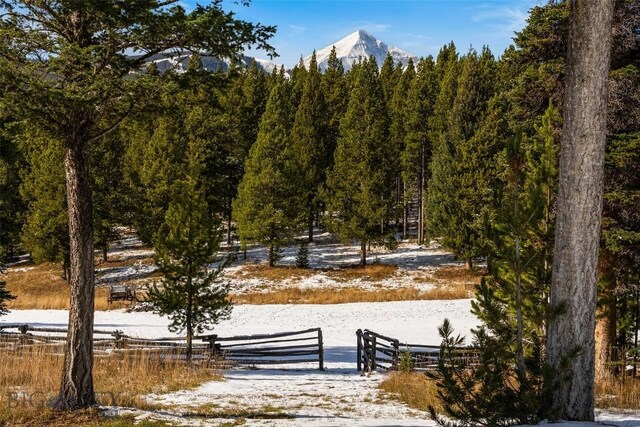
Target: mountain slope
{"type": "Point", "coordinates": [357, 45]}
{"type": "Point", "coordinates": [180, 63]}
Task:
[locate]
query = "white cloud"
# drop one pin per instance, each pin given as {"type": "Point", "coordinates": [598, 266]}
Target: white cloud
{"type": "Point", "coordinates": [297, 28]}
{"type": "Point", "coordinates": [505, 19]}
{"type": "Point", "coordinates": [372, 27]}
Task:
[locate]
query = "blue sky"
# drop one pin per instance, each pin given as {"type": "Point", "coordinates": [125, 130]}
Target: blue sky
{"type": "Point", "coordinates": [420, 27]}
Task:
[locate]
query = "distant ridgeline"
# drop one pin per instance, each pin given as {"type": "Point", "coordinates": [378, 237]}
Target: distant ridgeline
{"type": "Point", "coordinates": [350, 50]}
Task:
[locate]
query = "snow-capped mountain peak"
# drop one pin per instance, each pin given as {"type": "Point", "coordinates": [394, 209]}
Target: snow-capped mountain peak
{"type": "Point", "coordinates": [356, 46]}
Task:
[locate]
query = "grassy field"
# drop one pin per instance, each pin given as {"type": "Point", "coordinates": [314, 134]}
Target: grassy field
{"type": "Point", "coordinates": [42, 286]}
{"type": "Point", "coordinates": [417, 391]}
{"type": "Point", "coordinates": [293, 295]}
{"type": "Point", "coordinates": [31, 379]}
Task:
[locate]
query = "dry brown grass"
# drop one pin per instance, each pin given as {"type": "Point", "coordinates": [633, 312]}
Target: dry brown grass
{"type": "Point", "coordinates": [42, 287]}
{"type": "Point", "coordinates": [293, 295]}
{"type": "Point", "coordinates": [417, 391]}
{"type": "Point", "coordinates": [118, 380]}
{"type": "Point", "coordinates": [620, 393]}
{"type": "Point", "coordinates": [372, 272]}
{"type": "Point", "coordinates": [412, 388]}
{"type": "Point", "coordinates": [455, 274]}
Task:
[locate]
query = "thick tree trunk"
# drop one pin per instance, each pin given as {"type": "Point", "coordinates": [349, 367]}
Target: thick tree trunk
{"type": "Point", "coordinates": [580, 207]}
{"type": "Point", "coordinates": [310, 224]}
{"type": "Point", "coordinates": [271, 257]}
{"type": "Point", "coordinates": [189, 319]}
{"type": "Point", "coordinates": [76, 388]}
{"type": "Point", "coordinates": [363, 253]}
{"type": "Point", "coordinates": [405, 218]}
{"type": "Point", "coordinates": [105, 254]}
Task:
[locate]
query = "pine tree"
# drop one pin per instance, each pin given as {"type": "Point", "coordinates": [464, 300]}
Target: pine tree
{"type": "Point", "coordinates": [162, 151]}
{"type": "Point", "coordinates": [266, 209]}
{"type": "Point", "coordinates": [4, 295]}
{"type": "Point", "coordinates": [309, 143]}
{"type": "Point", "coordinates": [462, 190]}
{"type": "Point", "coordinates": [190, 294]}
{"type": "Point", "coordinates": [356, 202]}
{"type": "Point", "coordinates": [398, 113]}
{"type": "Point", "coordinates": [442, 163]}
{"type": "Point", "coordinates": [298, 78]}
{"type": "Point", "coordinates": [334, 87]}
{"type": "Point", "coordinates": [416, 155]}
{"type": "Point", "coordinates": [45, 232]}
{"type": "Point", "coordinates": [255, 94]}
{"type": "Point", "coordinates": [510, 383]}
{"type": "Point", "coordinates": [89, 43]}
{"type": "Point", "coordinates": [388, 77]}
{"type": "Point", "coordinates": [108, 189]}
{"type": "Point", "coordinates": [12, 206]}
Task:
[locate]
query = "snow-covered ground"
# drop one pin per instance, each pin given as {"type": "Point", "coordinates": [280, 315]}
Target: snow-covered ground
{"type": "Point", "coordinates": [340, 396]}
{"type": "Point", "coordinates": [416, 265]}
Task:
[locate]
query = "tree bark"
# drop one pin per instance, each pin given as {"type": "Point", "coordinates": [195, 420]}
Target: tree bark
{"type": "Point", "coordinates": [606, 318]}
{"type": "Point", "coordinates": [76, 388]}
{"type": "Point", "coordinates": [468, 263]}
{"type": "Point", "coordinates": [573, 290]}
{"type": "Point", "coordinates": [310, 219]}
{"type": "Point", "coordinates": [189, 317]}
{"type": "Point", "coordinates": [271, 257]}
{"type": "Point", "coordinates": [405, 218]}
{"type": "Point", "coordinates": [363, 253]}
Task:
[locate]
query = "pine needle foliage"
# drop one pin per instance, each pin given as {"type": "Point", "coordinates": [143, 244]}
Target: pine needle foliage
{"type": "Point", "coordinates": [266, 209]}
{"type": "Point", "coordinates": [510, 382]}
{"type": "Point", "coordinates": [356, 201]}
{"type": "Point", "coordinates": [191, 293]}
{"type": "Point", "coordinates": [5, 295]}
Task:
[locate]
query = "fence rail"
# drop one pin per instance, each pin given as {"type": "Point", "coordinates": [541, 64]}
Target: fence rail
{"type": "Point", "coordinates": [294, 347]}
{"type": "Point", "coordinates": [379, 352]}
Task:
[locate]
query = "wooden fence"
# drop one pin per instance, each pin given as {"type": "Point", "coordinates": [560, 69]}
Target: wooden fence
{"type": "Point", "coordinates": [267, 349]}
{"type": "Point", "coordinates": [376, 351]}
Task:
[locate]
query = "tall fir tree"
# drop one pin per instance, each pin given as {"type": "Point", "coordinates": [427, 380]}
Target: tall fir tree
{"type": "Point", "coordinates": [442, 162]}
{"type": "Point", "coordinates": [416, 155]}
{"type": "Point", "coordinates": [108, 189]}
{"type": "Point", "coordinates": [12, 206]}
{"type": "Point", "coordinates": [388, 77]}
{"type": "Point", "coordinates": [357, 204]}
{"type": "Point", "coordinates": [191, 293]}
{"type": "Point", "coordinates": [334, 87]}
{"type": "Point", "coordinates": [255, 94]}
{"type": "Point", "coordinates": [510, 383]}
{"type": "Point", "coordinates": [45, 232]}
{"type": "Point", "coordinates": [267, 207]}
{"type": "Point", "coordinates": [309, 145]}
{"type": "Point", "coordinates": [463, 189]}
{"type": "Point", "coordinates": [398, 114]}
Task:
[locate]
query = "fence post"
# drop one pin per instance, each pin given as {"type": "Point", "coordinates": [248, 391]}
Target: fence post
{"type": "Point", "coordinates": [118, 339]}
{"type": "Point", "coordinates": [396, 354]}
{"type": "Point", "coordinates": [359, 350]}
{"type": "Point", "coordinates": [320, 349]}
{"type": "Point", "coordinates": [24, 339]}
{"type": "Point", "coordinates": [374, 350]}
{"type": "Point", "coordinates": [212, 345]}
